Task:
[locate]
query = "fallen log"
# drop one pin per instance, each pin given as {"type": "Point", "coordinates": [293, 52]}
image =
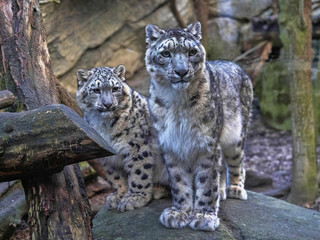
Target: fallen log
{"type": "Point", "coordinates": [45, 140]}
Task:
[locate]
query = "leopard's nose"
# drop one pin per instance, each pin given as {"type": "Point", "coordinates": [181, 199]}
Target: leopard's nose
{"type": "Point", "coordinates": [181, 72]}
{"type": "Point", "coordinates": [107, 104]}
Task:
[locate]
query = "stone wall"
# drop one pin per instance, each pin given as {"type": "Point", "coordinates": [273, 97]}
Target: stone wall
{"type": "Point", "coordinates": [86, 34]}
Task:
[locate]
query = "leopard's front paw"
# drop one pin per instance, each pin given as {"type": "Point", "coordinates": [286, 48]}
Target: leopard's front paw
{"type": "Point", "coordinates": [174, 219]}
{"type": "Point", "coordinates": [132, 201]}
{"type": "Point", "coordinates": [237, 192]}
{"type": "Point", "coordinates": [223, 194]}
{"type": "Point", "coordinates": [113, 200]}
{"type": "Point", "coordinates": [204, 221]}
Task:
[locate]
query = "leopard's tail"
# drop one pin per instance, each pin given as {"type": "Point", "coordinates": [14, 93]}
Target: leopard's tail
{"type": "Point", "coordinates": [246, 97]}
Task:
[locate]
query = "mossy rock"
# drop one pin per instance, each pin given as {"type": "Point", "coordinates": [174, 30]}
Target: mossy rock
{"type": "Point", "coordinates": [260, 217]}
{"type": "Point", "coordinates": [316, 101]}
{"type": "Point", "coordinates": [273, 93]}
{"type": "Point", "coordinates": [272, 90]}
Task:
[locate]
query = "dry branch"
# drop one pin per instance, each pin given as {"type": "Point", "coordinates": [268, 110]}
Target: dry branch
{"type": "Point", "coordinates": [176, 14]}
{"type": "Point", "coordinates": [44, 140]}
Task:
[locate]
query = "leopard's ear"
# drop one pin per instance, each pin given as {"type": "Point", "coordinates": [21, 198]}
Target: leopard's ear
{"type": "Point", "coordinates": [153, 33]}
{"type": "Point", "coordinates": [120, 71]}
{"type": "Point", "coordinates": [82, 76]}
{"type": "Point", "coordinates": [195, 30]}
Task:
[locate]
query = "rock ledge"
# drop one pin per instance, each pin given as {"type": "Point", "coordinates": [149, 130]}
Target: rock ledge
{"type": "Point", "coordinates": [260, 217]}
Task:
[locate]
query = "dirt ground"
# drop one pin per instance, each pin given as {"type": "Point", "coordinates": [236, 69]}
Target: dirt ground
{"type": "Point", "coordinates": [269, 153]}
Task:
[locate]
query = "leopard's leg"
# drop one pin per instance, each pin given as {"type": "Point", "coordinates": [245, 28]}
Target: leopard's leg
{"type": "Point", "coordinates": [140, 184]}
{"type": "Point", "coordinates": [234, 156]}
{"type": "Point", "coordinates": [180, 180]}
{"type": "Point", "coordinates": [207, 198]}
{"type": "Point", "coordinates": [118, 181]}
{"type": "Point", "coordinates": [223, 180]}
{"type": "Point", "coordinates": [234, 153]}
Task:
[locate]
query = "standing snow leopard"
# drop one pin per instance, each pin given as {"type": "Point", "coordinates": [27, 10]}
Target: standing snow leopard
{"type": "Point", "coordinates": [122, 118]}
{"type": "Point", "coordinates": [199, 109]}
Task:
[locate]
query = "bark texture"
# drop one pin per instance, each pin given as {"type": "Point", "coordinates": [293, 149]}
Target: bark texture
{"type": "Point", "coordinates": [58, 205]}
{"type": "Point", "coordinates": [45, 140]}
{"type": "Point", "coordinates": [12, 207]}
{"type": "Point", "coordinates": [295, 34]}
{"type": "Point", "coordinates": [202, 12]}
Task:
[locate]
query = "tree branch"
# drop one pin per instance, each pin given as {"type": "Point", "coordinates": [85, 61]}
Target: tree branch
{"type": "Point", "coordinates": [45, 140]}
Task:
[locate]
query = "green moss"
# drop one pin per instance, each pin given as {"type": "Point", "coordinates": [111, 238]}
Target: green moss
{"type": "Point", "coordinates": [316, 98]}
{"type": "Point", "coordinates": [273, 93]}
{"type": "Point", "coordinates": [19, 106]}
{"type": "Point", "coordinates": [87, 170]}
{"type": "Point", "coordinates": [2, 83]}
{"type": "Point", "coordinates": [219, 49]}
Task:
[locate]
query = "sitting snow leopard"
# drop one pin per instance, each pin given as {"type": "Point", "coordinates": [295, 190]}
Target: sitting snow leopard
{"type": "Point", "coordinates": [200, 111]}
{"type": "Point", "coordinates": [122, 118]}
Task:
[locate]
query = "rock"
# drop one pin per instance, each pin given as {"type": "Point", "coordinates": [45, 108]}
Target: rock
{"type": "Point", "coordinates": [257, 182]}
{"type": "Point", "coordinates": [244, 9]}
{"type": "Point", "coordinates": [223, 39]}
{"type": "Point", "coordinates": [95, 33]}
{"type": "Point", "coordinates": [260, 217]}
{"type": "Point", "coordinates": [272, 89]}
{"type": "Point", "coordinates": [273, 92]}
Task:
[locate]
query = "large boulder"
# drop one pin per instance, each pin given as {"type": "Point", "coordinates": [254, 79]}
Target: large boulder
{"type": "Point", "coordinates": [87, 34]}
{"type": "Point", "coordinates": [273, 92]}
{"type": "Point", "coordinates": [241, 10]}
{"type": "Point", "coordinates": [260, 217]}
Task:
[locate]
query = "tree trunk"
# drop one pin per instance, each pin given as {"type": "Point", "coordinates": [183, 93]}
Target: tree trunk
{"type": "Point", "coordinates": [317, 109]}
{"type": "Point", "coordinates": [58, 204]}
{"type": "Point", "coordinates": [176, 14]}
{"type": "Point", "coordinates": [295, 34]}
{"type": "Point", "coordinates": [202, 12]}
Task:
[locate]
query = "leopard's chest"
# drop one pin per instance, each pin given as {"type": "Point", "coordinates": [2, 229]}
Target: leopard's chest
{"type": "Point", "coordinates": [184, 134]}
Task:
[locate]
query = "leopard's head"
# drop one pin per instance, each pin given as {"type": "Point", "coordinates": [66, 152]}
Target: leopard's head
{"type": "Point", "coordinates": [174, 57]}
{"type": "Point", "coordinates": [101, 89]}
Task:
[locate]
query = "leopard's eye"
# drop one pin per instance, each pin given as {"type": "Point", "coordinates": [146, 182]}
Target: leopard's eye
{"type": "Point", "coordinates": [115, 89]}
{"type": "Point", "coordinates": [96, 90]}
{"type": "Point", "coordinates": [192, 52]}
{"type": "Point", "coordinates": [165, 54]}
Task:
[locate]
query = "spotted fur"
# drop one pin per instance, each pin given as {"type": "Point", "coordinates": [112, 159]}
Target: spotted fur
{"type": "Point", "coordinates": [122, 117]}
{"type": "Point", "coordinates": [200, 111]}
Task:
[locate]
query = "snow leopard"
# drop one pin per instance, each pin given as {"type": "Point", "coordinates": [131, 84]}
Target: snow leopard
{"type": "Point", "coordinates": [200, 110]}
{"type": "Point", "coordinates": [121, 116]}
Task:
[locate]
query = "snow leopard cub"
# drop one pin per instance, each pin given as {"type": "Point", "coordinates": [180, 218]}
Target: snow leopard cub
{"type": "Point", "coordinates": [200, 111]}
{"type": "Point", "coordinates": [121, 116]}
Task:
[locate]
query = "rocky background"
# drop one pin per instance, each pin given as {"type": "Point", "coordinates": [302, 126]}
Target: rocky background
{"type": "Point", "coordinates": [86, 34]}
